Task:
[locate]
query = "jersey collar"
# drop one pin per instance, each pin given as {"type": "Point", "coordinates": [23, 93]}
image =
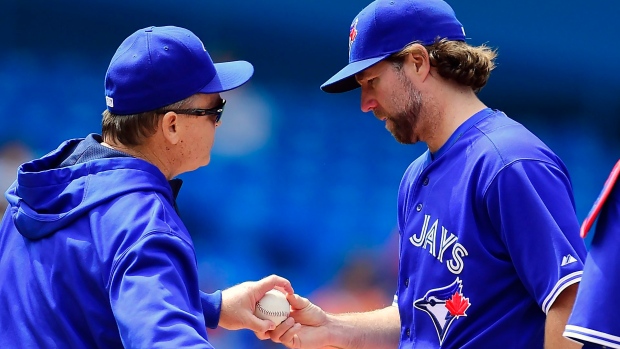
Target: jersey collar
{"type": "Point", "coordinates": [465, 126]}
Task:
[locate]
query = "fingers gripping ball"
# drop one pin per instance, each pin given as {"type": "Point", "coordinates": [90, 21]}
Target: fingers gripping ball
{"type": "Point", "coordinates": [273, 306]}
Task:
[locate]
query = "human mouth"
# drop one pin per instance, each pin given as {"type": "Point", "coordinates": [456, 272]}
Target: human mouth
{"type": "Point", "coordinates": [381, 117]}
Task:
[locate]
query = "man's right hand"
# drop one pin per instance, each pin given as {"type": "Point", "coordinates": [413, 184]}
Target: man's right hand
{"type": "Point", "coordinates": [306, 328]}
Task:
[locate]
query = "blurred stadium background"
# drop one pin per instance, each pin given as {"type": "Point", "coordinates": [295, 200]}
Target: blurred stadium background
{"type": "Point", "coordinates": [302, 183]}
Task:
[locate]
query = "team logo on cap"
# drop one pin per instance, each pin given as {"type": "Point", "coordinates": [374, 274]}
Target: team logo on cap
{"type": "Point", "coordinates": [444, 305]}
{"type": "Point", "coordinates": [352, 33]}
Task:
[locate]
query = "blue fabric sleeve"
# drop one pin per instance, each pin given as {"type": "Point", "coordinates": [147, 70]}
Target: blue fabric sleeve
{"type": "Point", "coordinates": [155, 297]}
{"type": "Point", "coordinates": [594, 320]}
{"type": "Point", "coordinates": [211, 307]}
{"type": "Point", "coordinates": [530, 203]}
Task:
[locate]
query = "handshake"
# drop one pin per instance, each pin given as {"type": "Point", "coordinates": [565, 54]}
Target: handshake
{"type": "Point", "coordinates": [270, 308]}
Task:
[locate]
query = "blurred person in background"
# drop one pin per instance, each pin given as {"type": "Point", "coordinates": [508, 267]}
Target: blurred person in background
{"type": "Point", "coordinates": [593, 320]}
{"type": "Point", "coordinates": [93, 253]}
{"type": "Point", "coordinates": [356, 287]}
{"type": "Point", "coordinates": [490, 254]}
{"type": "Point", "coordinates": [12, 154]}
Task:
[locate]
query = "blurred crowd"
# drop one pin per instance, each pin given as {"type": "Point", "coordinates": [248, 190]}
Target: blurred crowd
{"type": "Point", "coordinates": [301, 184]}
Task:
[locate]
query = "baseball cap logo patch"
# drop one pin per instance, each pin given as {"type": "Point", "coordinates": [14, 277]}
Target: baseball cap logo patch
{"type": "Point", "coordinates": [352, 34]}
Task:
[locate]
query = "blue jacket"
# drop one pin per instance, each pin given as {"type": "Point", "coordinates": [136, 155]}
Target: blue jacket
{"type": "Point", "coordinates": [94, 255]}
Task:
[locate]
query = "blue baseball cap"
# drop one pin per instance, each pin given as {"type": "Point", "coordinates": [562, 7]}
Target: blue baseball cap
{"type": "Point", "coordinates": [157, 66]}
{"type": "Point", "coordinates": [387, 26]}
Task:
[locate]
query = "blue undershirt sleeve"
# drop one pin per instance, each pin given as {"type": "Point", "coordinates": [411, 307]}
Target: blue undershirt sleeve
{"type": "Point", "coordinates": [211, 307]}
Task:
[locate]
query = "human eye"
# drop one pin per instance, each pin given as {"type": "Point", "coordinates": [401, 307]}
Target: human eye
{"type": "Point", "coordinates": [372, 81]}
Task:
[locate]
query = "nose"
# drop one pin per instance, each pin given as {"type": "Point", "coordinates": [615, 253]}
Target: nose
{"type": "Point", "coordinates": [369, 103]}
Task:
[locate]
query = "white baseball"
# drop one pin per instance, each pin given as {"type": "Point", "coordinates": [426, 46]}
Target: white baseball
{"type": "Point", "coordinates": [273, 306]}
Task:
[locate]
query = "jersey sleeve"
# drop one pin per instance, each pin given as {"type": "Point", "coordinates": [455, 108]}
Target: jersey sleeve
{"type": "Point", "coordinates": [155, 296]}
{"type": "Point", "coordinates": [593, 320]}
{"type": "Point", "coordinates": [530, 202]}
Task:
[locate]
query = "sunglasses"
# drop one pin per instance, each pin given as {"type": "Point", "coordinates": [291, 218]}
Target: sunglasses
{"type": "Point", "coordinates": [217, 111]}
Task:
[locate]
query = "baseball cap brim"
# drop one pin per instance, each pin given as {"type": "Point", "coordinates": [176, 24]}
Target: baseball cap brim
{"type": "Point", "coordinates": [344, 80]}
{"type": "Point", "coordinates": [230, 75]}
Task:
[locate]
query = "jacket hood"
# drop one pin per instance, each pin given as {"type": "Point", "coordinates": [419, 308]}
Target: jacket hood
{"type": "Point", "coordinates": [46, 198]}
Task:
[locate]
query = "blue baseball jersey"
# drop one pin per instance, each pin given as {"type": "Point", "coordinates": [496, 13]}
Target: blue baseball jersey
{"type": "Point", "coordinates": [488, 239]}
{"type": "Point", "coordinates": [593, 320]}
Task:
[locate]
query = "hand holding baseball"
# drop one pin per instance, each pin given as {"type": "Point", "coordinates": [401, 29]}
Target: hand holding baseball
{"type": "Point", "coordinates": [273, 306]}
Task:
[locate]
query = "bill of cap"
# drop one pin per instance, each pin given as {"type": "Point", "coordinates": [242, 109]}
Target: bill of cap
{"type": "Point", "coordinates": [344, 80]}
{"type": "Point", "coordinates": [230, 75]}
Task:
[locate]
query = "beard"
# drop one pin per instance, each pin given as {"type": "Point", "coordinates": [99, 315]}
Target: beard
{"type": "Point", "coordinates": [402, 124]}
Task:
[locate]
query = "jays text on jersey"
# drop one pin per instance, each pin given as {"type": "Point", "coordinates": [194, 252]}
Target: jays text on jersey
{"type": "Point", "coordinates": [593, 320]}
{"type": "Point", "coordinates": [488, 239]}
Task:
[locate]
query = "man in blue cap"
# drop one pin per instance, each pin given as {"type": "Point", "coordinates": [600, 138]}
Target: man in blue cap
{"type": "Point", "coordinates": [490, 254]}
{"type": "Point", "coordinates": [93, 253]}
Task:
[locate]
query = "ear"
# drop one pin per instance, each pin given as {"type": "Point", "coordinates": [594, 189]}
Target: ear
{"type": "Point", "coordinates": [418, 62]}
{"type": "Point", "coordinates": [170, 127]}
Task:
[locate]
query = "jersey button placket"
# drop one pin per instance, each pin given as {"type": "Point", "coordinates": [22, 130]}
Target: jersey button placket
{"type": "Point", "coordinates": [419, 206]}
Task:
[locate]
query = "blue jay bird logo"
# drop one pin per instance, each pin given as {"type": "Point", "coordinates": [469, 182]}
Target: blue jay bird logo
{"type": "Point", "coordinates": [444, 305]}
